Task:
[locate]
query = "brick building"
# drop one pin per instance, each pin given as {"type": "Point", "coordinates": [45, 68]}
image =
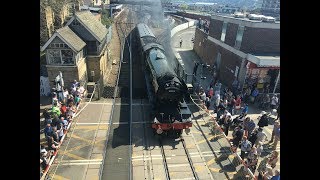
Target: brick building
{"type": "Point", "coordinates": [78, 50]}
{"type": "Point", "coordinates": [242, 49]}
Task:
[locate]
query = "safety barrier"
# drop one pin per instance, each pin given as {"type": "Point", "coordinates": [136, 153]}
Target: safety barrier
{"type": "Point", "coordinates": [218, 130]}
{"type": "Point", "coordinates": [64, 135]}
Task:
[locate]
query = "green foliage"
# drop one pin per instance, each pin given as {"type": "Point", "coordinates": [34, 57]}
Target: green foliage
{"type": "Point", "coordinates": [184, 6]}
{"type": "Point", "coordinates": [105, 19]}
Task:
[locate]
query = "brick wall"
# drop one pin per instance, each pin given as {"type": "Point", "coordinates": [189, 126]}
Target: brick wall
{"type": "Point", "coordinates": [82, 71]}
{"type": "Point", "coordinates": [93, 65]}
{"type": "Point", "coordinates": [215, 28]}
{"type": "Point", "coordinates": [69, 74]}
{"type": "Point", "coordinates": [229, 61]}
{"type": "Point", "coordinates": [208, 52]}
{"type": "Point", "coordinates": [231, 34]}
{"type": "Point", "coordinates": [260, 40]}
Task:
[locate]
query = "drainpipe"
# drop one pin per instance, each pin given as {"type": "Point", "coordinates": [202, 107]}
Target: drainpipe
{"type": "Point", "coordinates": [276, 84]}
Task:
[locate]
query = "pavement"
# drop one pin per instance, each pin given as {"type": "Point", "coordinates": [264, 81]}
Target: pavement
{"type": "Point", "coordinates": [189, 57]}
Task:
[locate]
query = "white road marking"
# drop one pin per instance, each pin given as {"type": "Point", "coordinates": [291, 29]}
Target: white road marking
{"type": "Point", "coordinates": [89, 123]}
{"type": "Point", "coordinates": [84, 163]}
{"type": "Point", "coordinates": [80, 160]}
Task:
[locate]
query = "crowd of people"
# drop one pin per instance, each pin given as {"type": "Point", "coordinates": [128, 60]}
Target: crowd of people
{"type": "Point", "coordinates": [246, 135]}
{"type": "Point", "coordinates": [203, 24]}
{"type": "Point", "coordinates": [57, 119]}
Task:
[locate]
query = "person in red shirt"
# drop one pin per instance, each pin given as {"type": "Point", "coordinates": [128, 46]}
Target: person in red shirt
{"type": "Point", "coordinates": [63, 110]}
{"type": "Point", "coordinates": [237, 105]}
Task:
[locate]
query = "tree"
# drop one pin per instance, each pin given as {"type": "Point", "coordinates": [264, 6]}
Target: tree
{"type": "Point", "coordinates": [184, 7]}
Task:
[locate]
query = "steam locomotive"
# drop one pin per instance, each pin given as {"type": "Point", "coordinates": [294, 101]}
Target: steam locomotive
{"type": "Point", "coordinates": [166, 90]}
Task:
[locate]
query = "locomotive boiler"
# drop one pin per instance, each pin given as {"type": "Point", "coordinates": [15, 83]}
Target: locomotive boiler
{"type": "Point", "coordinates": [166, 90]}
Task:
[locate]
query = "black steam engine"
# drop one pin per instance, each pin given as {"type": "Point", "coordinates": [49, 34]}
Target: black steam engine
{"type": "Point", "coordinates": [166, 90]}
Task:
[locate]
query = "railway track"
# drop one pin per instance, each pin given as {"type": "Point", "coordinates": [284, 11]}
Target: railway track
{"type": "Point", "coordinates": [117, 155]}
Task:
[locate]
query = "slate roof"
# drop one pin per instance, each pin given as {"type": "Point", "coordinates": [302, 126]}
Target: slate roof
{"type": "Point", "coordinates": [67, 36]}
{"type": "Point", "coordinates": [73, 40]}
{"type": "Point", "coordinates": [90, 22]}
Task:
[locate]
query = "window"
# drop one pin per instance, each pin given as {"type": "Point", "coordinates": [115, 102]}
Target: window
{"type": "Point", "coordinates": [240, 31]}
{"type": "Point", "coordinates": [60, 57]}
{"type": "Point", "coordinates": [223, 33]}
{"type": "Point", "coordinates": [67, 57]}
{"type": "Point", "coordinates": [54, 57]}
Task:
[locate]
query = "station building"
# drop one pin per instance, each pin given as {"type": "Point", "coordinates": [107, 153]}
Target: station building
{"type": "Point", "coordinates": [78, 50]}
{"type": "Point", "coordinates": [242, 49]}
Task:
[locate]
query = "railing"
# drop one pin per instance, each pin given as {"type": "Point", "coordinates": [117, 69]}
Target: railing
{"type": "Point", "coordinates": [242, 170]}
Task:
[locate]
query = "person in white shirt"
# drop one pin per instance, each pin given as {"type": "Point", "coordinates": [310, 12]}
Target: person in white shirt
{"type": "Point", "coordinates": [65, 95]}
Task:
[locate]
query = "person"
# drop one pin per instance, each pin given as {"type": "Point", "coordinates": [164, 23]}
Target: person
{"type": "Point", "coordinates": [226, 124]}
{"type": "Point", "coordinates": [195, 68]}
{"type": "Point", "coordinates": [275, 136]}
{"type": "Point", "coordinates": [53, 145]}
{"type": "Point", "coordinates": [63, 109]}
{"type": "Point", "coordinates": [75, 84]}
{"type": "Point", "coordinates": [247, 93]}
{"type": "Point", "coordinates": [202, 96]}
{"type": "Point", "coordinates": [264, 120]}
{"type": "Point", "coordinates": [245, 109]}
{"type": "Point", "coordinates": [237, 104]}
{"type": "Point", "coordinates": [65, 95]}
{"type": "Point", "coordinates": [276, 175]}
{"type": "Point", "coordinates": [231, 104]}
{"type": "Point", "coordinates": [249, 126]}
{"type": "Point", "coordinates": [254, 94]}
{"type": "Point", "coordinates": [253, 136]}
{"type": "Point", "coordinates": [237, 136]}
{"type": "Point", "coordinates": [77, 100]}
{"type": "Point", "coordinates": [274, 101]}
{"type": "Point", "coordinates": [60, 133]}
{"type": "Point", "coordinates": [273, 159]}
{"type": "Point", "coordinates": [260, 136]}
{"type": "Point", "coordinates": [245, 147]}
{"type": "Point", "coordinates": [180, 42]}
{"type": "Point", "coordinates": [55, 110]}
{"type": "Point", "coordinates": [46, 114]}
{"type": "Point", "coordinates": [267, 175]}
{"type": "Point", "coordinates": [81, 90]}
{"type": "Point", "coordinates": [262, 168]}
{"type": "Point", "coordinates": [278, 112]}
{"type": "Point", "coordinates": [251, 153]}
{"type": "Point", "coordinates": [208, 102]}
{"type": "Point", "coordinates": [43, 151]}
{"type": "Point", "coordinates": [253, 163]}
{"type": "Point", "coordinates": [48, 130]}
{"type": "Point", "coordinates": [259, 149]}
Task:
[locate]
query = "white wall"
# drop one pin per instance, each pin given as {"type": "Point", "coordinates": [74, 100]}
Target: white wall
{"type": "Point", "coordinates": [182, 27]}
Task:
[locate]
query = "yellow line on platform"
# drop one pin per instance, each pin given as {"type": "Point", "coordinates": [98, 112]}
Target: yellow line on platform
{"type": "Point", "coordinates": [75, 156]}
{"type": "Point", "coordinates": [77, 137]}
{"type": "Point", "coordinates": [82, 146]}
{"type": "Point", "coordinates": [57, 177]}
{"type": "Point", "coordinates": [213, 160]}
{"type": "Point", "coordinates": [215, 169]}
